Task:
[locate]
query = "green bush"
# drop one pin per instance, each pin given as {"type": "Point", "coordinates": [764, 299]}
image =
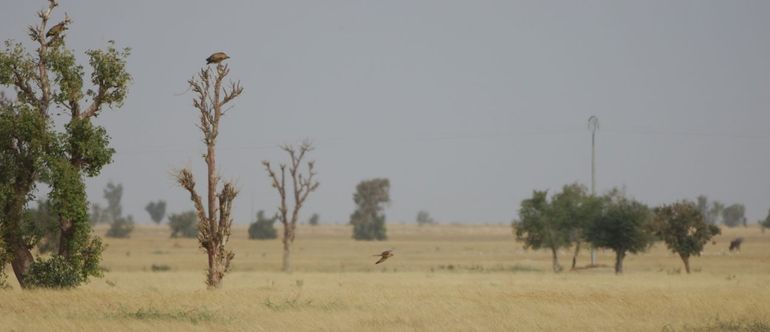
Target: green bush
{"type": "Point", "coordinates": [263, 228]}
{"type": "Point", "coordinates": [183, 224]}
{"type": "Point", "coordinates": [54, 272]}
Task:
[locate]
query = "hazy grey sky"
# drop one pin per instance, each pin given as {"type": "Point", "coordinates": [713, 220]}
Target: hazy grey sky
{"type": "Point", "coordinates": [467, 106]}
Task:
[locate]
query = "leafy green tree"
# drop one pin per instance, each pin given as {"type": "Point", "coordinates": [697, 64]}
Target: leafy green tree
{"type": "Point", "coordinates": [183, 224]}
{"type": "Point", "coordinates": [368, 219]}
{"type": "Point", "coordinates": [684, 230]}
{"type": "Point", "coordinates": [35, 151]}
{"type": "Point", "coordinates": [263, 227]}
{"type": "Point", "coordinates": [573, 209]}
{"type": "Point", "coordinates": [734, 215]}
{"type": "Point", "coordinates": [314, 220]}
{"type": "Point", "coordinates": [539, 229]}
{"type": "Point", "coordinates": [157, 210]}
{"type": "Point", "coordinates": [423, 218]}
{"type": "Point", "coordinates": [24, 137]}
{"type": "Point", "coordinates": [623, 227]}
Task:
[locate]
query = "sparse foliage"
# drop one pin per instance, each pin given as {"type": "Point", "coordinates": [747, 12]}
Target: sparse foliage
{"type": "Point", "coordinates": [623, 227]}
{"type": "Point", "coordinates": [734, 215]}
{"type": "Point", "coordinates": [214, 223]}
{"type": "Point", "coordinates": [423, 218]}
{"type": "Point", "coordinates": [301, 185]}
{"type": "Point", "coordinates": [157, 210]}
{"type": "Point", "coordinates": [684, 230]}
{"type": "Point", "coordinates": [183, 224]}
{"type": "Point", "coordinates": [35, 151]}
{"type": "Point", "coordinates": [368, 219]}
{"type": "Point", "coordinates": [263, 228]}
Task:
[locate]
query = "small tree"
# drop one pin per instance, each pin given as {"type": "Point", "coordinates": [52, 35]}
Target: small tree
{"type": "Point", "coordinates": [734, 215]}
{"type": "Point", "coordinates": [623, 227]}
{"type": "Point", "coordinates": [215, 222]}
{"type": "Point", "coordinates": [682, 227]}
{"type": "Point", "coordinates": [714, 215]}
{"type": "Point", "coordinates": [263, 228]}
{"type": "Point", "coordinates": [538, 228]}
{"type": "Point", "coordinates": [368, 219]}
{"type": "Point", "coordinates": [573, 209]}
{"type": "Point", "coordinates": [423, 218]}
{"type": "Point", "coordinates": [183, 224]}
{"type": "Point", "coordinates": [314, 220]}
{"type": "Point", "coordinates": [120, 227]}
{"type": "Point", "coordinates": [157, 210]}
{"type": "Point", "coordinates": [302, 186]}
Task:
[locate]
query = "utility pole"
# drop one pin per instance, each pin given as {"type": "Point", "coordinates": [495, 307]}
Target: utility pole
{"type": "Point", "coordinates": [593, 126]}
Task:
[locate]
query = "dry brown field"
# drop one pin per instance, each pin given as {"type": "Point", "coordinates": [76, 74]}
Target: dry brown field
{"type": "Point", "coordinates": [443, 278]}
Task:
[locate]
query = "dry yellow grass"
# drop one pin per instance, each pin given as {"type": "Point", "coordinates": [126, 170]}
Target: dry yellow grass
{"type": "Point", "coordinates": [445, 278]}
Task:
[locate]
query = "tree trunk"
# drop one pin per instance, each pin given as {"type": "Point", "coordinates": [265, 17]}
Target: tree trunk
{"type": "Point", "coordinates": [65, 225]}
{"type": "Point", "coordinates": [686, 260]}
{"type": "Point", "coordinates": [286, 256]}
{"type": "Point", "coordinates": [216, 270]}
{"type": "Point", "coordinates": [620, 255]}
{"type": "Point", "coordinates": [574, 257]}
{"type": "Point", "coordinates": [22, 260]}
{"type": "Point", "coordinates": [556, 266]}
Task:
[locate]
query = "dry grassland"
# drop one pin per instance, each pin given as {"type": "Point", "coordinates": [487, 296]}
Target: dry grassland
{"type": "Point", "coordinates": [443, 278]}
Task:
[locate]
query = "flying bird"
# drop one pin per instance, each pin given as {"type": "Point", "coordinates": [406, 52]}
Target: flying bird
{"type": "Point", "coordinates": [217, 58]}
{"type": "Point", "coordinates": [384, 255]}
{"type": "Point", "coordinates": [56, 29]}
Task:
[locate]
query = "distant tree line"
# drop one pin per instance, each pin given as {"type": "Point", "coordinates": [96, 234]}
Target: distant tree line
{"type": "Point", "coordinates": [715, 212]}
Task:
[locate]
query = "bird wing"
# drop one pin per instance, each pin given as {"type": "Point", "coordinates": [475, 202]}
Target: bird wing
{"type": "Point", "coordinates": [382, 259]}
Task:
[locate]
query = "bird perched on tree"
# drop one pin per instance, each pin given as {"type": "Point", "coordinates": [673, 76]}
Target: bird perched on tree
{"type": "Point", "coordinates": [217, 58]}
{"type": "Point", "coordinates": [384, 255]}
{"type": "Point", "coordinates": [56, 29]}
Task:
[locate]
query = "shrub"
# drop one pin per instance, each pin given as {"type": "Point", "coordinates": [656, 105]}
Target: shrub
{"type": "Point", "coordinates": [183, 224]}
{"type": "Point", "coordinates": [54, 272]}
{"type": "Point", "coordinates": [121, 227]}
{"type": "Point", "coordinates": [160, 268]}
{"type": "Point", "coordinates": [263, 228]}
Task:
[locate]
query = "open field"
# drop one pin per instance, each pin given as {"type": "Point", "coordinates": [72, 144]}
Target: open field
{"type": "Point", "coordinates": [454, 278]}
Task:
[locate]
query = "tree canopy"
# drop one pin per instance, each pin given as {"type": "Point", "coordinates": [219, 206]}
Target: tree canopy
{"type": "Point", "coordinates": [683, 228]}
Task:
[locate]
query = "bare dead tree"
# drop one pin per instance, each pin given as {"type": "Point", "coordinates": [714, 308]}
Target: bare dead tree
{"type": "Point", "coordinates": [302, 186]}
{"type": "Point", "coordinates": [213, 223]}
